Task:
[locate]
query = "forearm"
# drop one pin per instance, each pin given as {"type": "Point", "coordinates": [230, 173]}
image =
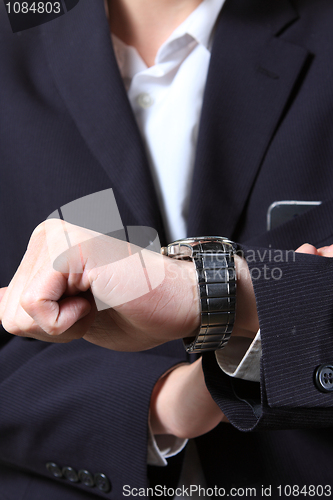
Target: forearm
{"type": "Point", "coordinates": [182, 405]}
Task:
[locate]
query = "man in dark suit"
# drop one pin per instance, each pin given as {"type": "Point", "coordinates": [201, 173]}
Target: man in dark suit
{"type": "Point", "coordinates": [265, 135]}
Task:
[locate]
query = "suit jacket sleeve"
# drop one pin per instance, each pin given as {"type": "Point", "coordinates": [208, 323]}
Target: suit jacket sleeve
{"type": "Point", "coordinates": [294, 302]}
{"type": "Point", "coordinates": [78, 405]}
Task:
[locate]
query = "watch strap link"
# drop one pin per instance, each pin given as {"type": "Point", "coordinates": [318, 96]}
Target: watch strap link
{"type": "Point", "coordinates": [215, 267]}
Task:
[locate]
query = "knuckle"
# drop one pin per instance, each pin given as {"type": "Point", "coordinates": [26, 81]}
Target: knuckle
{"type": "Point", "coordinates": [37, 232]}
{"type": "Point", "coordinates": [25, 325]}
{"type": "Point", "coordinates": [27, 301]}
{"type": "Point", "coordinates": [10, 326]}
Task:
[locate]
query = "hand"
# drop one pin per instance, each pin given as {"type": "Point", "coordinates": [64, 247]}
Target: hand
{"type": "Point", "coordinates": [57, 304]}
{"type": "Point", "coordinates": [51, 295]}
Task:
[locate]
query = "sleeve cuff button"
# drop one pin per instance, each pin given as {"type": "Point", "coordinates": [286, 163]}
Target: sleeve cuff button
{"type": "Point", "coordinates": [324, 378]}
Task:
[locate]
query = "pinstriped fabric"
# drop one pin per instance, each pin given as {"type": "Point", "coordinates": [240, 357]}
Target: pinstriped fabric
{"type": "Point", "coordinates": [296, 337]}
{"type": "Point", "coordinates": [316, 226]}
{"type": "Point", "coordinates": [296, 328]}
{"type": "Point", "coordinates": [79, 421]}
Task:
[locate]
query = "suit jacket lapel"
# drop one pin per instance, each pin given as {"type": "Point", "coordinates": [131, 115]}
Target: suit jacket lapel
{"type": "Point", "coordinates": [251, 76]}
{"type": "Point", "coordinates": [81, 58]}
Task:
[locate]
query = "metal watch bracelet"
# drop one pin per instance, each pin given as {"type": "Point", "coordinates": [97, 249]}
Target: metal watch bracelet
{"type": "Point", "coordinates": [215, 266]}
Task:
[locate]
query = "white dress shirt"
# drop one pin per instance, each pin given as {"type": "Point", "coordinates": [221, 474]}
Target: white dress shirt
{"type": "Point", "coordinates": [166, 100]}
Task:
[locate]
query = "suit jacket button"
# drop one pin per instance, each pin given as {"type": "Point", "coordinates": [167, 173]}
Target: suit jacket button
{"type": "Point", "coordinates": [86, 478]}
{"type": "Point", "coordinates": [54, 469]}
{"type": "Point", "coordinates": [70, 474]}
{"type": "Point", "coordinates": [324, 378]}
{"type": "Point", "coordinates": [102, 482]}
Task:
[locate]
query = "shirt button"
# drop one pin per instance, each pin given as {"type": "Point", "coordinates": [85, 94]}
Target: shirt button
{"type": "Point", "coordinates": [324, 378]}
{"type": "Point", "coordinates": [145, 100]}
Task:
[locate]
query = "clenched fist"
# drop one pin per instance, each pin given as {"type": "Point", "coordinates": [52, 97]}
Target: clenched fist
{"type": "Point", "coordinates": [147, 299]}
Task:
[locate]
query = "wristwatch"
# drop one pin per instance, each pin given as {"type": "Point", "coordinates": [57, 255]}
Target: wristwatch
{"type": "Point", "coordinates": [215, 266]}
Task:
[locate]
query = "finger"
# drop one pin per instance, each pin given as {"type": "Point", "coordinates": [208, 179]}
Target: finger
{"type": "Point", "coordinates": [2, 294]}
{"type": "Point", "coordinates": [326, 251]}
{"type": "Point", "coordinates": [77, 331]}
{"type": "Point", "coordinates": [31, 262]}
{"type": "Point", "coordinates": [117, 271]}
{"type": "Point", "coordinates": [14, 319]}
{"type": "Point", "coordinates": [9, 304]}
{"type": "Point", "coordinates": [10, 309]}
{"type": "Point", "coordinates": [41, 302]}
{"type": "Point", "coordinates": [29, 289]}
{"type": "Point", "coordinates": [307, 248]}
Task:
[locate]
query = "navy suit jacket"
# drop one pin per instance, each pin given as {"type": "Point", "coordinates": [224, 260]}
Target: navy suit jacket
{"type": "Point", "coordinates": [266, 134]}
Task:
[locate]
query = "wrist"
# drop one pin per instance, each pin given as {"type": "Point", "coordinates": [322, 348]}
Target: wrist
{"type": "Point", "coordinates": [181, 287]}
{"type": "Point", "coordinates": [181, 404]}
{"type": "Point", "coordinates": [246, 322]}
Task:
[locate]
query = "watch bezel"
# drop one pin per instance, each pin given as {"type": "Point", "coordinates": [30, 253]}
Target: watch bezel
{"type": "Point", "coordinates": [174, 248]}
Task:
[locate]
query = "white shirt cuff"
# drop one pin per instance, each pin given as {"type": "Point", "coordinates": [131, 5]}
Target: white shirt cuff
{"type": "Point", "coordinates": [163, 446]}
{"type": "Point", "coordinates": [241, 358]}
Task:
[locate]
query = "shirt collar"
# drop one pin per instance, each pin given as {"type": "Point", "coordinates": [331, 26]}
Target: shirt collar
{"type": "Point", "coordinates": [197, 28]}
{"type": "Point", "coordinates": [200, 23]}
